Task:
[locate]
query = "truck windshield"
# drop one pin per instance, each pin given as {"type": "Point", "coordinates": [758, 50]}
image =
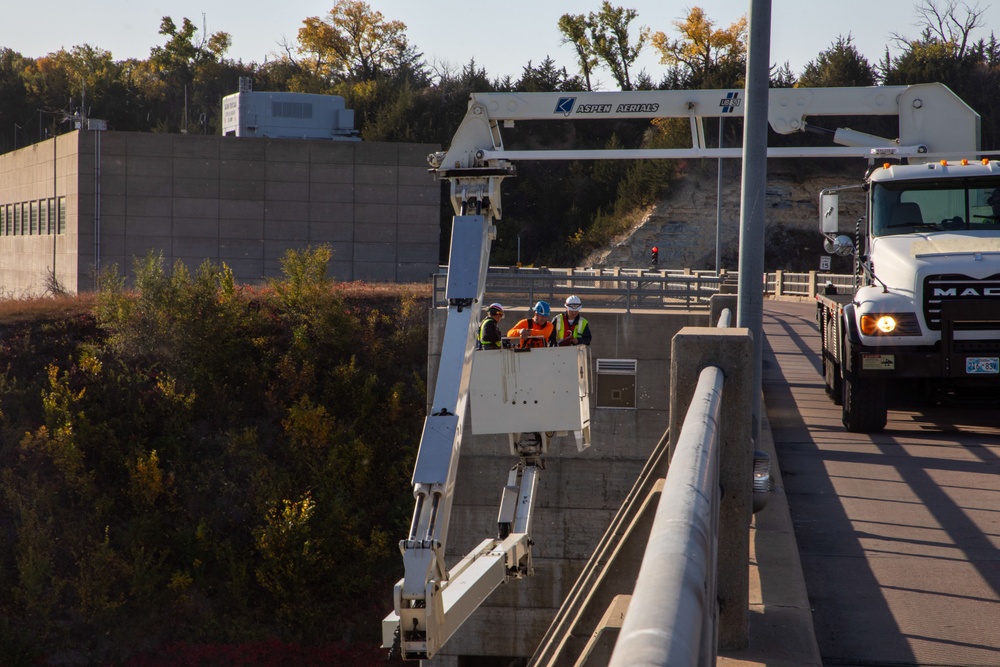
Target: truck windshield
{"type": "Point", "coordinates": [905, 207]}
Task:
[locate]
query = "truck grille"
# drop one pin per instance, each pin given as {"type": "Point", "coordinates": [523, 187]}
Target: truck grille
{"type": "Point", "coordinates": [958, 288]}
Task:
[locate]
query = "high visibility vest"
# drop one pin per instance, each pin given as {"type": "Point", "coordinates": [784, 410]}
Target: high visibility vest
{"type": "Point", "coordinates": [485, 344]}
{"type": "Point", "coordinates": [581, 324]}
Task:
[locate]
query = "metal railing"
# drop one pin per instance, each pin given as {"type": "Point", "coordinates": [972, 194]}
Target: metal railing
{"type": "Point", "coordinates": [625, 289]}
{"type": "Point", "coordinates": [672, 619]}
{"type": "Point", "coordinates": [631, 289]}
{"type": "Point", "coordinates": [786, 283]}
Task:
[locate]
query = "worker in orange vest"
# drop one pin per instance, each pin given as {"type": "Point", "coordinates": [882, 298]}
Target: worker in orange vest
{"type": "Point", "coordinates": [535, 331]}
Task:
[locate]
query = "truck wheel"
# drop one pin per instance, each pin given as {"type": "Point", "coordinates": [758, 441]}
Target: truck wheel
{"type": "Point", "coordinates": [863, 404]}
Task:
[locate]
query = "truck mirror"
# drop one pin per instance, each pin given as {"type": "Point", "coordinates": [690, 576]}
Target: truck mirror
{"type": "Point", "coordinates": [828, 207]}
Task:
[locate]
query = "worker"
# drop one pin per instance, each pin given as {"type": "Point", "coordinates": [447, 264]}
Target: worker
{"type": "Point", "coordinates": [536, 330]}
{"type": "Point", "coordinates": [489, 337]}
{"type": "Point", "coordinates": [570, 327]}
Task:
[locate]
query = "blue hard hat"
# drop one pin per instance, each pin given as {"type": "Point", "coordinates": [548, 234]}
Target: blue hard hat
{"type": "Point", "coordinates": [542, 308]}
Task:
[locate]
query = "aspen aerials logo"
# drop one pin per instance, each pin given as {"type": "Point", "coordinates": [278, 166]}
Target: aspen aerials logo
{"type": "Point", "coordinates": [565, 105]}
{"type": "Point", "coordinates": [730, 102]}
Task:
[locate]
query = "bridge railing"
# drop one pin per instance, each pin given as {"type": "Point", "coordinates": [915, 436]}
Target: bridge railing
{"type": "Point", "coordinates": [625, 289]}
{"type": "Point", "coordinates": [632, 289]}
{"type": "Point", "coordinates": [698, 548]}
{"type": "Point", "coordinates": [671, 618]}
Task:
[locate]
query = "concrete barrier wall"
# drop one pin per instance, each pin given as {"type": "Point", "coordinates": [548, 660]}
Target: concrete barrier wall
{"type": "Point", "coordinates": [579, 491]}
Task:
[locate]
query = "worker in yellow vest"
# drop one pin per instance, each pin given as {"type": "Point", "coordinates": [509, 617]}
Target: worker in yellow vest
{"type": "Point", "coordinates": [570, 327]}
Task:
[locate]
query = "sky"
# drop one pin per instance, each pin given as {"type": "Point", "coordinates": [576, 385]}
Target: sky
{"type": "Point", "coordinates": [501, 36]}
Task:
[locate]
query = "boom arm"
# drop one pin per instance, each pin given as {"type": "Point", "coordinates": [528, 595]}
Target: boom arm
{"type": "Point", "coordinates": [932, 120]}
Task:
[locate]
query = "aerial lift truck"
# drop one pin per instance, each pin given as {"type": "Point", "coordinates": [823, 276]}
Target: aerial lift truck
{"type": "Point", "coordinates": [534, 395]}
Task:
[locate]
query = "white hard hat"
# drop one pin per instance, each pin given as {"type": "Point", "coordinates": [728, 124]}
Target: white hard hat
{"type": "Point", "coordinates": [573, 303]}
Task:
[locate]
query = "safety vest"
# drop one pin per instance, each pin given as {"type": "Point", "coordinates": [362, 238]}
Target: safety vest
{"type": "Point", "coordinates": [581, 324]}
{"type": "Point", "coordinates": [485, 344]}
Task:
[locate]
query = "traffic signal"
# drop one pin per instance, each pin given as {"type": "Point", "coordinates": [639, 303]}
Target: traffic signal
{"type": "Point", "coordinates": [655, 257]}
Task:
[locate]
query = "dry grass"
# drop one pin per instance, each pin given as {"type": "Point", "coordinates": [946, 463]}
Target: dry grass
{"type": "Point", "coordinates": [15, 311]}
{"type": "Point", "coordinates": [358, 289]}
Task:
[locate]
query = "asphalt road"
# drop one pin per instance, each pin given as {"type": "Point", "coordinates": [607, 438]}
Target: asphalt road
{"type": "Point", "coordinates": [898, 532]}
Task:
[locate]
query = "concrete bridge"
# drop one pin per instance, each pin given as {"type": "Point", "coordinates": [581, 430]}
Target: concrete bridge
{"type": "Point", "coordinates": [873, 550]}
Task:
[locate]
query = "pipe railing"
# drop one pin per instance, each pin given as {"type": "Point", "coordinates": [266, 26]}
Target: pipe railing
{"type": "Point", "coordinates": [672, 617]}
{"type": "Point", "coordinates": [691, 595]}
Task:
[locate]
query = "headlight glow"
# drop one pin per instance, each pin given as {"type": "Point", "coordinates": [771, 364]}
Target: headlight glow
{"type": "Point", "coordinates": [886, 324]}
{"type": "Point", "coordinates": [889, 324]}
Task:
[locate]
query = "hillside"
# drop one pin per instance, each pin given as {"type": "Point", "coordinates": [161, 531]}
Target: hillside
{"type": "Point", "coordinates": [683, 224]}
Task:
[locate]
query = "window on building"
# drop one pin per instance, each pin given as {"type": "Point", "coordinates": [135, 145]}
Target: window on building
{"type": "Point", "coordinates": [43, 217]}
{"type": "Point", "coordinates": [17, 219]}
{"type": "Point", "coordinates": [61, 217]}
{"type": "Point", "coordinates": [3, 221]}
{"type": "Point", "coordinates": [33, 208]}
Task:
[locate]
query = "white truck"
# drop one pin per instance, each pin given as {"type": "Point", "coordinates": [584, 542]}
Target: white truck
{"type": "Point", "coordinates": [433, 600]}
{"type": "Point", "coordinates": [924, 312]}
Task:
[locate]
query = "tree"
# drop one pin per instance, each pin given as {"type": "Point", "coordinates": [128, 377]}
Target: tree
{"type": "Point", "coordinates": [354, 42]}
{"type": "Point", "coordinates": [839, 65]}
{"type": "Point", "coordinates": [782, 77]}
{"type": "Point", "coordinates": [546, 78]}
{"type": "Point", "coordinates": [610, 39]}
{"type": "Point", "coordinates": [178, 74]}
{"type": "Point", "coordinates": [942, 22]}
{"type": "Point", "coordinates": [574, 28]}
{"type": "Point", "coordinates": [713, 58]}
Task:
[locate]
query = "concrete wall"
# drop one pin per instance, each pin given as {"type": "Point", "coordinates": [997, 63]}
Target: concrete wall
{"type": "Point", "coordinates": [579, 491]}
{"type": "Point", "coordinates": [240, 201]}
{"type": "Point", "coordinates": [43, 171]}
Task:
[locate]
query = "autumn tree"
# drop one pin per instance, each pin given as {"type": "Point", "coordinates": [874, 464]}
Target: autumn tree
{"type": "Point", "coordinates": [354, 42]}
{"type": "Point", "coordinates": [612, 43]}
{"type": "Point", "coordinates": [839, 65]}
{"type": "Point", "coordinates": [574, 28]}
{"type": "Point", "coordinates": [711, 57]}
{"type": "Point", "coordinates": [179, 76]}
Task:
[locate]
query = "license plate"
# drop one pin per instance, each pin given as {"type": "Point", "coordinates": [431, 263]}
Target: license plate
{"type": "Point", "coordinates": [982, 365]}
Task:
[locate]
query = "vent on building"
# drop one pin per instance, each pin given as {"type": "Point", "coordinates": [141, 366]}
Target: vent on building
{"type": "Point", "coordinates": [616, 383]}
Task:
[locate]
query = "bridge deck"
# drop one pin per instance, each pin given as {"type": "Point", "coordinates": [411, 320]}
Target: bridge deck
{"type": "Point", "coordinates": [898, 532]}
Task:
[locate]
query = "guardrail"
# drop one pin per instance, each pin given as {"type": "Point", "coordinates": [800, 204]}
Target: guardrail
{"type": "Point", "coordinates": [786, 283]}
{"type": "Point", "coordinates": [625, 289]}
{"type": "Point", "coordinates": [631, 289]}
{"type": "Point", "coordinates": [671, 619]}
{"type": "Point", "coordinates": [692, 592]}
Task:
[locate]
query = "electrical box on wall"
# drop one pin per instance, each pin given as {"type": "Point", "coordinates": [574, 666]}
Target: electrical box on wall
{"type": "Point", "coordinates": [616, 383]}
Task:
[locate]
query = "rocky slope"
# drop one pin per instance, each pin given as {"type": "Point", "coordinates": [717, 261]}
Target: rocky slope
{"type": "Point", "coordinates": [683, 224]}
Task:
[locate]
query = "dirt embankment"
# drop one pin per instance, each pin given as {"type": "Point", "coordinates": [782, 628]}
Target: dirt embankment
{"type": "Point", "coordinates": [683, 224]}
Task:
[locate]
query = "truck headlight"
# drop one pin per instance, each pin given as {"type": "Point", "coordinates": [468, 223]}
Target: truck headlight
{"type": "Point", "coordinates": [890, 324]}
